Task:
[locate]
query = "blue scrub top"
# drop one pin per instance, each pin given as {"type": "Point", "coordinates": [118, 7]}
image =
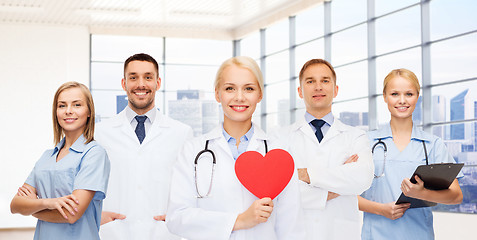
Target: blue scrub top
{"type": "Point", "coordinates": [416, 223]}
{"type": "Point", "coordinates": [86, 166]}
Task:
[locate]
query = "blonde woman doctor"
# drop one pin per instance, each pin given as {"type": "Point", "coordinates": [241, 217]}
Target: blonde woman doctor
{"type": "Point", "coordinates": [210, 202]}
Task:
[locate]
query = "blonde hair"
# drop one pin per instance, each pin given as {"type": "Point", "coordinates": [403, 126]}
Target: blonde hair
{"type": "Point", "coordinates": [88, 131]}
{"type": "Point", "coordinates": [404, 73]}
{"type": "Point", "coordinates": [243, 62]}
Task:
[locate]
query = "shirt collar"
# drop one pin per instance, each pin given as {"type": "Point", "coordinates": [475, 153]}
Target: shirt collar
{"type": "Point", "coordinates": [328, 118]}
{"type": "Point", "coordinates": [78, 145]}
{"type": "Point", "coordinates": [246, 137]}
{"type": "Point", "coordinates": [130, 114]}
{"type": "Point", "coordinates": [417, 134]}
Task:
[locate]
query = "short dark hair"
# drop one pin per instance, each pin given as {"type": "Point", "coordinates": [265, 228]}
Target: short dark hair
{"type": "Point", "coordinates": [317, 61]}
{"type": "Point", "coordinates": [141, 57]}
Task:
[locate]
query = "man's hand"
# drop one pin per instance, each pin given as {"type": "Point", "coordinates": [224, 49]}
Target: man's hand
{"type": "Point", "coordinates": [160, 217]}
{"type": "Point", "coordinates": [352, 159]}
{"type": "Point", "coordinates": [107, 217]}
{"type": "Point", "coordinates": [303, 175]}
{"type": "Point", "coordinates": [332, 195]}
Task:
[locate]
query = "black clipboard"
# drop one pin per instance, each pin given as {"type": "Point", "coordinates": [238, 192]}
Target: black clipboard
{"type": "Point", "coordinates": [437, 176]}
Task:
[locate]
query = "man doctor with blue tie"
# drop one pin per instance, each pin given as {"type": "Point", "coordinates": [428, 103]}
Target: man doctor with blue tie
{"type": "Point", "coordinates": [333, 160]}
{"type": "Point", "coordinates": [142, 145]}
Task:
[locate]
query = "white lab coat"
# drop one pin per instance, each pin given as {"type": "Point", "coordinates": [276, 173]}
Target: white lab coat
{"type": "Point", "coordinates": [213, 217]}
{"type": "Point", "coordinates": [338, 218]}
{"type": "Point", "coordinates": [140, 175]}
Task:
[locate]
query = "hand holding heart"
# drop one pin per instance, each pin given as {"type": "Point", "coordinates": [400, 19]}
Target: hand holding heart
{"type": "Point", "coordinates": [257, 213]}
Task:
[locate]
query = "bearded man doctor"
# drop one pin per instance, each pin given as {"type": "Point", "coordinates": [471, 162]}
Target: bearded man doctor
{"type": "Point", "coordinates": [142, 145]}
{"type": "Point", "coordinates": [333, 160]}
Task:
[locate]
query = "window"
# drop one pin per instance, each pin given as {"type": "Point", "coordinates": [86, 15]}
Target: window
{"type": "Point", "coordinates": [352, 81]}
{"type": "Point", "coordinates": [454, 59]}
{"type": "Point", "coordinates": [451, 17]}
{"type": "Point", "coordinates": [277, 37]}
{"type": "Point", "coordinates": [399, 30]}
{"type": "Point", "coordinates": [385, 6]}
{"type": "Point", "coordinates": [309, 24]}
{"type": "Point", "coordinates": [187, 70]}
{"type": "Point", "coordinates": [409, 59]}
{"type": "Point", "coordinates": [349, 45]}
{"type": "Point", "coordinates": [346, 13]}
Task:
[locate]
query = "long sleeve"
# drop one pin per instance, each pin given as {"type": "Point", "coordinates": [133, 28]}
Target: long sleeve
{"type": "Point", "coordinates": [312, 196]}
{"type": "Point", "coordinates": [184, 217]}
{"type": "Point", "coordinates": [347, 179]}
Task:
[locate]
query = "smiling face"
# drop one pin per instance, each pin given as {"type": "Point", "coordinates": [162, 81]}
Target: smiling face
{"type": "Point", "coordinates": [238, 92]}
{"type": "Point", "coordinates": [72, 111]}
{"type": "Point", "coordinates": [318, 88]}
{"type": "Point", "coordinates": [141, 83]}
{"type": "Point", "coordinates": [401, 96]}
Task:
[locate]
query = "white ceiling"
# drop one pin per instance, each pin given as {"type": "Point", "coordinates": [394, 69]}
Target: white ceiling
{"type": "Point", "coordinates": [219, 19]}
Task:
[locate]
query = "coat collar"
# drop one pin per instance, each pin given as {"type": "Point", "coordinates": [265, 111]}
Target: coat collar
{"type": "Point", "coordinates": [254, 144]}
{"type": "Point", "coordinates": [121, 119]}
{"type": "Point", "coordinates": [258, 133]}
{"type": "Point", "coordinates": [160, 122]}
{"type": "Point", "coordinates": [336, 128]}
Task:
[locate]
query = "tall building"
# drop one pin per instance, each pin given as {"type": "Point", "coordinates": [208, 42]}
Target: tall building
{"type": "Point", "coordinates": [459, 110]}
{"type": "Point", "coordinates": [439, 115]}
{"type": "Point", "coordinates": [201, 115]}
{"type": "Point", "coordinates": [417, 114]}
{"type": "Point", "coordinates": [354, 118]}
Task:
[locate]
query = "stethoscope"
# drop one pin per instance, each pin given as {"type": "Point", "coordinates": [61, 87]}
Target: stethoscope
{"type": "Point", "coordinates": [214, 161]}
{"type": "Point", "coordinates": [383, 145]}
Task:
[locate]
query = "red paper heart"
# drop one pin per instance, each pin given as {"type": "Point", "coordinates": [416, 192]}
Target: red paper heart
{"type": "Point", "coordinates": [265, 176]}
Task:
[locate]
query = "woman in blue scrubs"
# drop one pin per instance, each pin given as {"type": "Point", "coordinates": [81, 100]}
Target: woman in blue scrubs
{"type": "Point", "coordinates": [66, 188]}
{"type": "Point", "coordinates": [405, 151]}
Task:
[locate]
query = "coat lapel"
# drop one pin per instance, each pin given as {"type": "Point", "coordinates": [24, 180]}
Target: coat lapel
{"type": "Point", "coordinates": [305, 128]}
{"type": "Point", "coordinates": [122, 123]}
{"type": "Point", "coordinates": [217, 136]}
{"type": "Point", "coordinates": [257, 141]}
{"type": "Point", "coordinates": [157, 128]}
{"type": "Point", "coordinates": [336, 129]}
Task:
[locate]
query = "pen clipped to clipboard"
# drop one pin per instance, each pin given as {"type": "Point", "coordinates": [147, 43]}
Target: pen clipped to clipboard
{"type": "Point", "coordinates": [435, 177]}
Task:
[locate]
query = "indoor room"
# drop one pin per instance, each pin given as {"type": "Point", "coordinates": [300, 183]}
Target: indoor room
{"type": "Point", "coordinates": [45, 43]}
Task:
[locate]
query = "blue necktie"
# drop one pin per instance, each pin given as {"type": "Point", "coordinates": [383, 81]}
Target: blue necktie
{"type": "Point", "coordinates": [318, 123]}
{"type": "Point", "coordinates": [140, 130]}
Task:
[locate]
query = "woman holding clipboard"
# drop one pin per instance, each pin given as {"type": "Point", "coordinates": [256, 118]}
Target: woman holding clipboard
{"type": "Point", "coordinates": [398, 149]}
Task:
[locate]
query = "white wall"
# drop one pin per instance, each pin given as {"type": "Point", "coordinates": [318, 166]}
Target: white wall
{"type": "Point", "coordinates": [455, 226]}
{"type": "Point", "coordinates": [34, 61]}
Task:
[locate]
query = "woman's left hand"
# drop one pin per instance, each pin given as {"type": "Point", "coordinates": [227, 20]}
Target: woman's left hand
{"type": "Point", "coordinates": [413, 190]}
